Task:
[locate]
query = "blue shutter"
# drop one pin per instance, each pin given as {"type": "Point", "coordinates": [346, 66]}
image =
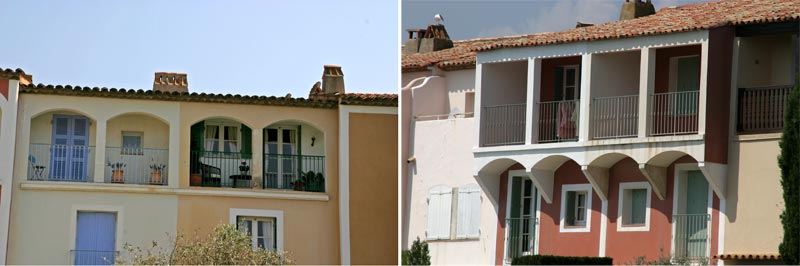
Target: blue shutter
{"type": "Point", "coordinates": [59, 148]}
{"type": "Point", "coordinates": [96, 236]}
{"type": "Point", "coordinates": [80, 151]}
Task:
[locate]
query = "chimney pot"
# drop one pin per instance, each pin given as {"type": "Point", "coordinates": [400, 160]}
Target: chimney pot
{"type": "Point", "coordinates": [170, 82]}
{"type": "Point", "coordinates": [636, 9]}
{"type": "Point", "coordinates": [332, 80]}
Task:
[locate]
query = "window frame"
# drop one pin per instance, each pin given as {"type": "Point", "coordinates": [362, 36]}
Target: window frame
{"type": "Point", "coordinates": [254, 227]}
{"type": "Point", "coordinates": [277, 215]}
{"type": "Point", "coordinates": [139, 150]}
{"type": "Point", "coordinates": [621, 211]}
{"type": "Point", "coordinates": [563, 227]}
{"type": "Point", "coordinates": [575, 87]}
{"type": "Point", "coordinates": [221, 125]}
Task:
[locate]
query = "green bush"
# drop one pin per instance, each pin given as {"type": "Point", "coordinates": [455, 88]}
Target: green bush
{"type": "Point", "coordinates": [789, 162]}
{"type": "Point", "coordinates": [561, 260]}
{"type": "Point", "coordinates": [418, 255]}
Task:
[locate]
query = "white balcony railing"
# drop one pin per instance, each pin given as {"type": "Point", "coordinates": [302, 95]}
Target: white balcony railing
{"type": "Point", "coordinates": [691, 236]}
{"type": "Point", "coordinates": [136, 166]}
{"type": "Point", "coordinates": [674, 113]}
{"type": "Point", "coordinates": [503, 125]}
{"type": "Point", "coordinates": [54, 162]}
{"type": "Point", "coordinates": [558, 121]}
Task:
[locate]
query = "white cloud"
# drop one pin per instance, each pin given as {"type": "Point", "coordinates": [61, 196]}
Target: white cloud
{"type": "Point", "coordinates": [564, 14]}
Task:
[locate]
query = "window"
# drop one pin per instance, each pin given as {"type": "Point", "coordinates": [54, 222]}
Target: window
{"type": "Point", "coordinates": [469, 210]}
{"type": "Point", "coordinates": [261, 229]}
{"type": "Point", "coordinates": [222, 137]}
{"type": "Point", "coordinates": [132, 143]}
{"type": "Point", "coordinates": [440, 200]}
{"type": "Point", "coordinates": [634, 207]}
{"type": "Point", "coordinates": [569, 83]}
{"type": "Point", "coordinates": [576, 202]}
{"type": "Point", "coordinates": [684, 84]}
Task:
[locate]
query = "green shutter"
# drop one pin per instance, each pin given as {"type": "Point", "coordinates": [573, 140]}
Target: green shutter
{"type": "Point", "coordinates": [247, 142]}
{"type": "Point", "coordinates": [570, 208]}
{"type": "Point", "coordinates": [558, 84]}
{"type": "Point", "coordinates": [638, 206]}
{"type": "Point", "coordinates": [197, 136]}
{"type": "Point", "coordinates": [516, 196]}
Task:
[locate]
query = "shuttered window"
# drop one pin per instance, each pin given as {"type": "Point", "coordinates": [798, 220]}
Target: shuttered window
{"type": "Point", "coordinates": [440, 200]}
{"type": "Point", "coordinates": [633, 206]}
{"type": "Point", "coordinates": [469, 206]}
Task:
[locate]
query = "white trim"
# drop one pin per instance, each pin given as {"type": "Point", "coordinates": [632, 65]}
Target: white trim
{"type": "Point", "coordinates": [603, 227]}
{"type": "Point", "coordinates": [7, 143]}
{"type": "Point", "coordinates": [510, 181]}
{"type": "Point", "coordinates": [119, 227]}
{"type": "Point", "coordinates": [621, 199]}
{"type": "Point", "coordinates": [277, 214]}
{"type": "Point", "coordinates": [538, 218]}
{"type": "Point", "coordinates": [721, 231]}
{"type": "Point", "coordinates": [680, 172]}
{"type": "Point", "coordinates": [588, 209]}
{"type": "Point", "coordinates": [344, 171]}
{"type": "Point", "coordinates": [149, 189]}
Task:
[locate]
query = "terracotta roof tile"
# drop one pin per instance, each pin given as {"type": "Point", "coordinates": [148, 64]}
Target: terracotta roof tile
{"type": "Point", "coordinates": [370, 99]}
{"type": "Point", "coordinates": [691, 17]}
{"type": "Point", "coordinates": [748, 257]}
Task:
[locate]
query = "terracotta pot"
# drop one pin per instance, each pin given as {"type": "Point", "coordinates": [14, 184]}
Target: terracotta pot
{"type": "Point", "coordinates": [195, 180]}
{"type": "Point", "coordinates": [117, 176]}
{"type": "Point", "coordinates": [298, 186]}
{"type": "Point", "coordinates": [155, 178]}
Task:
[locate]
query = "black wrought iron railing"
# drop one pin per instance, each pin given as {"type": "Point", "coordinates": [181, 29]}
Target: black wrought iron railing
{"type": "Point", "coordinates": [296, 172]}
{"type": "Point", "coordinates": [221, 169]}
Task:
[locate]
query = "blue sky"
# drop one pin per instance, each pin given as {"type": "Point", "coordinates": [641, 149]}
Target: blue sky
{"type": "Point", "coordinates": [237, 47]}
{"type": "Point", "coordinates": [468, 19]}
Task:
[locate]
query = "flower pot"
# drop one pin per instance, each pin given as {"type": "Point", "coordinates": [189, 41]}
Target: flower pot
{"type": "Point", "coordinates": [298, 186]}
{"type": "Point", "coordinates": [195, 180]}
{"type": "Point", "coordinates": [155, 178]}
{"type": "Point", "coordinates": [117, 176]}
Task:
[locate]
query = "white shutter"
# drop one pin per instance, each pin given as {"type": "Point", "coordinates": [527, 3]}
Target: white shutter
{"type": "Point", "coordinates": [469, 207]}
{"type": "Point", "coordinates": [439, 204]}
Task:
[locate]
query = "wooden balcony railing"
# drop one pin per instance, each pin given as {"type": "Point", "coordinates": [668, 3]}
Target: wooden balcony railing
{"type": "Point", "coordinates": [761, 109]}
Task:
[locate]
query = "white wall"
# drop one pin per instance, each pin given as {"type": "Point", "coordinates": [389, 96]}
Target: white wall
{"type": "Point", "coordinates": [615, 74]}
{"type": "Point", "coordinates": [443, 151]}
{"type": "Point", "coordinates": [765, 61]}
{"type": "Point", "coordinates": [459, 83]}
{"type": "Point", "coordinates": [408, 77]}
{"type": "Point", "coordinates": [155, 132]}
{"type": "Point", "coordinates": [504, 83]}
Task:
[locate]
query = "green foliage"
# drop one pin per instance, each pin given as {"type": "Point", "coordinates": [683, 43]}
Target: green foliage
{"type": "Point", "coordinates": [224, 246]}
{"type": "Point", "coordinates": [404, 257]}
{"type": "Point", "coordinates": [418, 254]}
{"type": "Point", "coordinates": [789, 162]}
{"type": "Point", "coordinates": [561, 260]}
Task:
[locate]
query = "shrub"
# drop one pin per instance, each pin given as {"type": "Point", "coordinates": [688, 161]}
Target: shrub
{"type": "Point", "coordinates": [419, 254]}
{"type": "Point", "coordinates": [224, 246]}
{"type": "Point", "coordinates": [789, 162]}
{"type": "Point", "coordinates": [560, 260]}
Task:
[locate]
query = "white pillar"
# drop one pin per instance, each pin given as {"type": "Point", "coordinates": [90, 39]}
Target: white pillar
{"type": "Point", "coordinates": [701, 110]}
{"type": "Point", "coordinates": [478, 104]}
{"type": "Point", "coordinates": [532, 110]}
{"type": "Point", "coordinates": [258, 156]}
{"type": "Point", "coordinates": [174, 162]}
{"type": "Point", "coordinates": [647, 81]}
{"type": "Point", "coordinates": [100, 150]}
{"type": "Point", "coordinates": [586, 81]}
{"type": "Point", "coordinates": [8, 126]}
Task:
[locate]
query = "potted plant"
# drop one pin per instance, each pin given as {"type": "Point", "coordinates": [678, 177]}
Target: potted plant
{"type": "Point", "coordinates": [155, 174]}
{"type": "Point", "coordinates": [117, 174]}
{"type": "Point", "coordinates": [244, 168]}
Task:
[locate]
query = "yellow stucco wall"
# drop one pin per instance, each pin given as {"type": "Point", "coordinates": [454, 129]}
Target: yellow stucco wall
{"type": "Point", "coordinates": [755, 199]}
{"type": "Point", "coordinates": [155, 133]}
{"type": "Point", "coordinates": [373, 188]}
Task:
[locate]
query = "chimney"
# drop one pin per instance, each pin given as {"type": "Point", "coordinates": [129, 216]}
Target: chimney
{"type": "Point", "coordinates": [434, 38]}
{"type": "Point", "coordinates": [632, 9]}
{"type": "Point", "coordinates": [171, 82]}
{"type": "Point", "coordinates": [332, 80]}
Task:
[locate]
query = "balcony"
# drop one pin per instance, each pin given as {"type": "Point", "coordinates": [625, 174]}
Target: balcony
{"type": "Point", "coordinates": [558, 121]}
{"type": "Point", "coordinates": [674, 113]}
{"type": "Point", "coordinates": [136, 166]}
{"type": "Point", "coordinates": [296, 172]}
{"type": "Point", "coordinates": [614, 117]}
{"type": "Point", "coordinates": [761, 109]}
{"type": "Point", "coordinates": [221, 169]}
{"type": "Point", "coordinates": [92, 257]}
{"type": "Point", "coordinates": [54, 162]}
{"type": "Point", "coordinates": [690, 236]}
{"type": "Point", "coordinates": [503, 125]}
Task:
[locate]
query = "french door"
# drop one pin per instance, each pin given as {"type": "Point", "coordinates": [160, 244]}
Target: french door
{"type": "Point", "coordinates": [69, 152]}
{"type": "Point", "coordinates": [282, 160]}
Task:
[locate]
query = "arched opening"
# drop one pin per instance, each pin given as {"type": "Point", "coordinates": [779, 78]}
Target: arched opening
{"type": "Point", "coordinates": [221, 153]}
{"type": "Point", "coordinates": [61, 146]}
{"type": "Point", "coordinates": [294, 156]}
{"type": "Point", "coordinates": [137, 150]}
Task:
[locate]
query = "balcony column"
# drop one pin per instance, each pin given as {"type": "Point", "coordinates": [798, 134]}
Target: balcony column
{"type": "Point", "coordinates": [533, 95]}
{"type": "Point", "coordinates": [100, 150]}
{"type": "Point", "coordinates": [478, 105]}
{"type": "Point", "coordinates": [585, 100]}
{"type": "Point", "coordinates": [702, 104]}
{"type": "Point", "coordinates": [173, 163]}
{"type": "Point", "coordinates": [647, 81]}
{"type": "Point", "coordinates": [258, 157]}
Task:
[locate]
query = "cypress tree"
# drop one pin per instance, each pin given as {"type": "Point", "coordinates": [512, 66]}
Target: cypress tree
{"type": "Point", "coordinates": [789, 162]}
